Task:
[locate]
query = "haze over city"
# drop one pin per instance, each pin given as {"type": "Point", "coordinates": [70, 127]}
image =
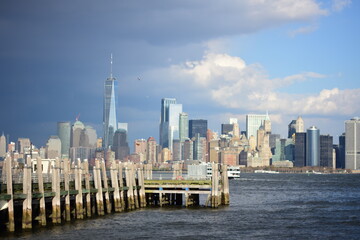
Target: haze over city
{"type": "Point", "coordinates": [219, 59]}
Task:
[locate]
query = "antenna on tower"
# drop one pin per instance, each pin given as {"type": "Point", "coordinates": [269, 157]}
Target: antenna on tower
{"type": "Point", "coordinates": [111, 62]}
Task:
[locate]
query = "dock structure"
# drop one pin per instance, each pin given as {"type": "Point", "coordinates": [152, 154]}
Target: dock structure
{"type": "Point", "coordinates": [64, 190]}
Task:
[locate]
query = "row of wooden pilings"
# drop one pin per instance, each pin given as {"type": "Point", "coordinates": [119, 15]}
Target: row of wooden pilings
{"type": "Point", "coordinates": [69, 180]}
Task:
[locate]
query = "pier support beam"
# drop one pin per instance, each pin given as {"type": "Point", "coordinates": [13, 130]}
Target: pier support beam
{"type": "Point", "coordinates": [115, 185]}
{"type": "Point", "coordinates": [27, 204]}
{"type": "Point", "coordinates": [39, 171]}
{"type": "Point", "coordinates": [98, 186]}
{"type": "Point", "coordinates": [66, 166]}
{"type": "Point", "coordinates": [106, 186]}
{"type": "Point", "coordinates": [56, 209]}
{"type": "Point", "coordinates": [78, 187]}
{"type": "Point", "coordinates": [9, 191]}
{"type": "Point", "coordinates": [87, 187]}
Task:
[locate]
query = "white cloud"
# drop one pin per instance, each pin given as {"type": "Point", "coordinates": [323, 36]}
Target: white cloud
{"type": "Point", "coordinates": [229, 82]}
{"type": "Point", "coordinates": [339, 5]}
{"type": "Point", "coordinates": [304, 30]}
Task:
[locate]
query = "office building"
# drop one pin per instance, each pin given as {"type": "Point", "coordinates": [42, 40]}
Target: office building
{"type": "Point", "coordinates": [164, 121]}
{"type": "Point", "coordinates": [299, 127]}
{"type": "Point", "coordinates": [174, 117]}
{"type": "Point", "coordinates": [53, 148]}
{"type": "Point", "coordinates": [352, 144]}
{"type": "Point", "coordinates": [326, 151]}
{"type": "Point", "coordinates": [76, 132]}
{"type": "Point", "coordinates": [2, 146]}
{"type": "Point", "coordinates": [183, 126]}
{"type": "Point", "coordinates": [197, 126]}
{"type": "Point", "coordinates": [227, 128]}
{"type": "Point", "coordinates": [151, 151]}
{"type": "Point", "coordinates": [340, 157]}
{"type": "Point", "coordinates": [23, 145]}
{"type": "Point", "coordinates": [253, 123]}
{"type": "Point", "coordinates": [110, 116]}
{"type": "Point", "coordinates": [291, 128]}
{"type": "Point", "coordinates": [120, 144]}
{"type": "Point", "coordinates": [284, 150]}
{"type": "Point", "coordinates": [313, 147]}
{"type": "Point", "coordinates": [300, 149]}
{"type": "Point", "coordinates": [64, 133]}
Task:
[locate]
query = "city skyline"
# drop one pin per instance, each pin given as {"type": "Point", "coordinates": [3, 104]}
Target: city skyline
{"type": "Point", "coordinates": [294, 59]}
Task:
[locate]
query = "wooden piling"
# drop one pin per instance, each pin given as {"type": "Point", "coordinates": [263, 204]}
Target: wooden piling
{"type": "Point", "coordinates": [66, 169]}
{"type": "Point", "coordinates": [115, 185]}
{"type": "Point", "coordinates": [135, 190]}
{"type": "Point", "coordinates": [130, 192]}
{"type": "Point", "coordinates": [78, 187]}
{"type": "Point", "coordinates": [98, 186]}
{"type": "Point", "coordinates": [39, 171]}
{"type": "Point", "coordinates": [142, 187]}
{"type": "Point", "coordinates": [56, 208]}
{"type": "Point", "coordinates": [121, 185]}
{"type": "Point", "coordinates": [225, 196]}
{"type": "Point", "coordinates": [87, 187]}
{"type": "Point", "coordinates": [27, 203]}
{"type": "Point", "coordinates": [9, 191]}
{"type": "Point", "coordinates": [106, 186]}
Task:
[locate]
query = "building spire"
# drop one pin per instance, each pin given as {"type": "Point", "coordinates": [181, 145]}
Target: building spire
{"type": "Point", "coordinates": [111, 62]}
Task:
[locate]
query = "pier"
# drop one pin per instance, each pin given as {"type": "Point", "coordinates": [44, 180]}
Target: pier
{"type": "Point", "coordinates": [60, 191]}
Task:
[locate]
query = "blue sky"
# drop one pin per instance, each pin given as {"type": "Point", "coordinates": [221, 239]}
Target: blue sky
{"type": "Point", "coordinates": [220, 59]}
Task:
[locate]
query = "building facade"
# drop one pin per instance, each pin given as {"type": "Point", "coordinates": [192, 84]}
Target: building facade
{"type": "Point", "coordinates": [197, 126]}
{"type": "Point", "coordinates": [352, 144]}
{"type": "Point", "coordinates": [64, 133]}
{"type": "Point", "coordinates": [183, 126]}
{"type": "Point", "coordinates": [253, 123]}
{"type": "Point", "coordinates": [164, 121]}
{"type": "Point", "coordinates": [300, 149]}
{"type": "Point", "coordinates": [313, 147]}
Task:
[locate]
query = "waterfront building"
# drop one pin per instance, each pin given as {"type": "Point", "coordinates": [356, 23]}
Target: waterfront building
{"type": "Point", "coordinates": [352, 144]}
{"type": "Point", "coordinates": [326, 151]}
{"type": "Point", "coordinates": [284, 150]}
{"type": "Point", "coordinates": [164, 121]}
{"type": "Point", "coordinates": [64, 133]}
{"type": "Point", "coordinates": [340, 157]}
{"type": "Point", "coordinates": [2, 146]}
{"type": "Point", "coordinates": [53, 148]}
{"type": "Point", "coordinates": [197, 126]}
{"type": "Point", "coordinates": [253, 123]}
{"type": "Point", "coordinates": [312, 146]}
{"type": "Point", "coordinates": [151, 151]}
{"type": "Point", "coordinates": [183, 126]}
{"type": "Point", "coordinates": [300, 149]}
{"type": "Point", "coordinates": [110, 116]}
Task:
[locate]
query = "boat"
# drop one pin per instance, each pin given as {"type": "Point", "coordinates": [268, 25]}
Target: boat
{"type": "Point", "coordinates": [266, 171]}
{"type": "Point", "coordinates": [233, 171]}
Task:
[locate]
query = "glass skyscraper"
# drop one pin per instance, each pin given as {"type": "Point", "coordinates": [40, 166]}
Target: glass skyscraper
{"type": "Point", "coordinates": [352, 144]}
{"type": "Point", "coordinates": [110, 112]}
{"type": "Point", "coordinates": [313, 147]}
{"type": "Point", "coordinates": [253, 123]}
{"type": "Point", "coordinates": [64, 133]}
{"type": "Point", "coordinates": [164, 121]}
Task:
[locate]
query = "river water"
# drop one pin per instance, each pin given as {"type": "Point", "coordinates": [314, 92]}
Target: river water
{"type": "Point", "coordinates": [263, 206]}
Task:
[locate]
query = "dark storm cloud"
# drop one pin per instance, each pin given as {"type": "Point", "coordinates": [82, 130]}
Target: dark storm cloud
{"type": "Point", "coordinates": [54, 54]}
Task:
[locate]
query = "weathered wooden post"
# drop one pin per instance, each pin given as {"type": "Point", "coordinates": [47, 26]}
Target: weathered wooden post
{"type": "Point", "coordinates": [67, 188]}
{"type": "Point", "coordinates": [106, 186]}
{"type": "Point", "coordinates": [98, 186]}
{"type": "Point", "coordinates": [121, 185]}
{"type": "Point", "coordinates": [130, 191]}
{"type": "Point", "coordinates": [225, 198]}
{"type": "Point", "coordinates": [78, 187]}
{"type": "Point", "coordinates": [87, 186]}
{"type": "Point", "coordinates": [115, 185]}
{"type": "Point", "coordinates": [56, 209]}
{"type": "Point", "coordinates": [142, 187]}
{"type": "Point", "coordinates": [135, 187]}
{"type": "Point", "coordinates": [39, 171]}
{"type": "Point", "coordinates": [9, 190]}
{"type": "Point", "coordinates": [27, 182]}
{"type": "Point", "coordinates": [215, 186]}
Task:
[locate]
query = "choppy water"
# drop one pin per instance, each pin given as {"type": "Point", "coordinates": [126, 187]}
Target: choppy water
{"type": "Point", "coordinates": [263, 206]}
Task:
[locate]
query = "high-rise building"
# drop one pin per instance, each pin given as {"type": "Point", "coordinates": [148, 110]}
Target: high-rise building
{"type": "Point", "coordinates": [164, 121]}
{"type": "Point", "coordinates": [253, 123]}
{"type": "Point", "coordinates": [53, 148]}
{"type": "Point", "coordinates": [284, 150]}
{"type": "Point", "coordinates": [199, 148]}
{"type": "Point", "coordinates": [110, 116]}
{"type": "Point", "coordinates": [64, 133]}
{"type": "Point", "coordinates": [174, 117]}
{"type": "Point", "coordinates": [23, 145]}
{"type": "Point", "coordinates": [300, 125]}
{"type": "Point", "coordinates": [187, 150]}
{"type": "Point", "coordinates": [226, 128]}
{"type": "Point", "coordinates": [77, 131]}
{"type": "Point", "coordinates": [340, 157]}
{"type": "Point", "coordinates": [313, 147]}
{"type": "Point", "coordinates": [2, 146]}
{"type": "Point", "coordinates": [176, 153]}
{"type": "Point", "coordinates": [90, 137]}
{"type": "Point", "coordinates": [291, 128]}
{"type": "Point", "coordinates": [120, 144]}
{"type": "Point", "coordinates": [151, 152]}
{"type": "Point", "coordinates": [326, 151]}
{"type": "Point", "coordinates": [197, 126]}
{"type": "Point", "coordinates": [183, 126]}
{"type": "Point", "coordinates": [300, 149]}
{"type": "Point", "coordinates": [352, 144]}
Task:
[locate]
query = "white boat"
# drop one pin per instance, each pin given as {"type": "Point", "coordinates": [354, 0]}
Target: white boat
{"type": "Point", "coordinates": [266, 171]}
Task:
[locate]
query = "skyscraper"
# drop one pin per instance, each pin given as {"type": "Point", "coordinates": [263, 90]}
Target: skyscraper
{"type": "Point", "coordinates": [151, 151]}
{"type": "Point", "coordinates": [197, 126]}
{"type": "Point", "coordinates": [64, 133]}
{"type": "Point", "coordinates": [300, 125]}
{"type": "Point", "coordinates": [53, 147]}
{"type": "Point", "coordinates": [326, 151]}
{"type": "Point", "coordinates": [340, 163]}
{"type": "Point", "coordinates": [120, 144]}
{"type": "Point", "coordinates": [291, 128]}
{"type": "Point", "coordinates": [164, 121]}
{"type": "Point", "coordinates": [183, 126]}
{"type": "Point", "coordinates": [253, 123]}
{"type": "Point", "coordinates": [2, 146]}
{"type": "Point", "coordinates": [352, 144]}
{"type": "Point", "coordinates": [313, 147]}
{"type": "Point", "coordinates": [110, 109]}
{"type": "Point", "coordinates": [174, 116]}
{"type": "Point", "coordinates": [300, 149]}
